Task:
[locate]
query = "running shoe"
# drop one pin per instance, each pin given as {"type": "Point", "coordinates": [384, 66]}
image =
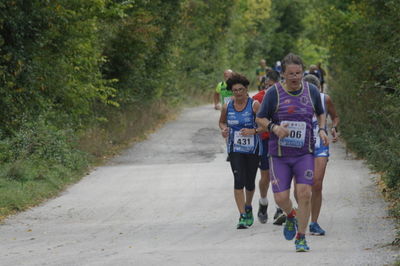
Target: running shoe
{"type": "Point", "coordinates": [262, 213]}
{"type": "Point", "coordinates": [289, 231]}
{"type": "Point", "coordinates": [301, 245]}
{"type": "Point", "coordinates": [242, 222]}
{"type": "Point", "coordinates": [316, 230]}
{"type": "Point", "coordinates": [249, 217]}
{"type": "Point", "coordinates": [279, 217]}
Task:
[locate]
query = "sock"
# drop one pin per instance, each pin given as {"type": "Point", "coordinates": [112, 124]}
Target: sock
{"type": "Point", "coordinates": [243, 215]}
{"type": "Point", "coordinates": [292, 214]}
{"type": "Point", "coordinates": [300, 236]}
{"type": "Point", "coordinates": [264, 201]}
{"type": "Point", "coordinates": [248, 208]}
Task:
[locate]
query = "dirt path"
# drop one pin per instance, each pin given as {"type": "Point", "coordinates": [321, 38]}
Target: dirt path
{"type": "Point", "coordinates": [169, 201]}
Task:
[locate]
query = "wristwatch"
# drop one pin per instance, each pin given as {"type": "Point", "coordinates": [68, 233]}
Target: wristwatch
{"type": "Point", "coordinates": [321, 128]}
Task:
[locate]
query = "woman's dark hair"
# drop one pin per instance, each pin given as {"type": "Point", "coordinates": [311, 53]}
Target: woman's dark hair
{"type": "Point", "coordinates": [291, 59]}
{"type": "Point", "coordinates": [237, 78]}
{"type": "Point", "coordinates": [273, 75]}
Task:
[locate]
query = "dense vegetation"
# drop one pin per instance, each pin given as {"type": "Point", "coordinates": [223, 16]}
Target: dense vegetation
{"type": "Point", "coordinates": [362, 38]}
{"type": "Point", "coordinates": [79, 77]}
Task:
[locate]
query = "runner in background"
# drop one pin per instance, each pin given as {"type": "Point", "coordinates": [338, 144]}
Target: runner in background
{"type": "Point", "coordinates": [278, 67]}
{"type": "Point", "coordinates": [322, 74]}
{"type": "Point", "coordinates": [237, 124]}
{"type": "Point", "coordinates": [321, 155]}
{"type": "Point", "coordinates": [221, 94]}
{"type": "Point", "coordinates": [287, 113]}
{"type": "Point", "coordinates": [279, 218]}
{"type": "Point", "coordinates": [261, 71]}
{"type": "Point", "coordinates": [313, 70]}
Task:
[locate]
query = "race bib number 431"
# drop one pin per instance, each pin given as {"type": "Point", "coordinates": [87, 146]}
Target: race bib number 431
{"type": "Point", "coordinates": [243, 143]}
{"type": "Point", "coordinates": [297, 134]}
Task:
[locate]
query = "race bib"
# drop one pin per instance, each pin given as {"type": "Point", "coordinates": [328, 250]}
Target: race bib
{"type": "Point", "coordinates": [297, 134]}
{"type": "Point", "coordinates": [242, 143]}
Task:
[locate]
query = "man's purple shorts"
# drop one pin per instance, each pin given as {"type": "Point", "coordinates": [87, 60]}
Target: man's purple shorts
{"type": "Point", "coordinates": [282, 170]}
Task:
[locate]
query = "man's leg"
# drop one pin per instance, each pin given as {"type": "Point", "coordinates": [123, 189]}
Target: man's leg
{"type": "Point", "coordinates": [304, 174]}
{"type": "Point", "coordinates": [282, 199]}
{"type": "Point", "coordinates": [264, 183]}
{"type": "Point", "coordinates": [303, 169]}
{"type": "Point", "coordinates": [280, 177]}
{"type": "Point", "coordinates": [304, 202]}
{"type": "Point", "coordinates": [316, 198]}
{"type": "Point", "coordinates": [264, 171]}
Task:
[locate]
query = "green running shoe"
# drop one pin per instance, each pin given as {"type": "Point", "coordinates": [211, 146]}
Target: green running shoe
{"type": "Point", "coordinates": [249, 217]}
{"type": "Point", "coordinates": [301, 245]}
{"type": "Point", "coordinates": [242, 222]}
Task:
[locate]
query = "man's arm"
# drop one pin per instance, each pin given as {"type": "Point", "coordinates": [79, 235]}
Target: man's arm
{"type": "Point", "coordinates": [319, 111]}
{"type": "Point", "coordinates": [335, 118]}
{"type": "Point", "coordinates": [322, 131]}
{"type": "Point", "coordinates": [264, 116]}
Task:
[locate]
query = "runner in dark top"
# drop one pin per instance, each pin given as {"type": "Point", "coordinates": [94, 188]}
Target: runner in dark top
{"type": "Point", "coordinates": [270, 79]}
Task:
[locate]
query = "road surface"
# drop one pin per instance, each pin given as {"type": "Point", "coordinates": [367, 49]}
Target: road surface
{"type": "Point", "coordinates": [169, 201]}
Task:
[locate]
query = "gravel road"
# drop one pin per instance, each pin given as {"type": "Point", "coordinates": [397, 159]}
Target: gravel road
{"type": "Point", "coordinates": [169, 201]}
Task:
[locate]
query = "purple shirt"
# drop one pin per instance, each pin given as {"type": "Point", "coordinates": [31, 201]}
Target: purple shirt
{"type": "Point", "coordinates": [297, 111]}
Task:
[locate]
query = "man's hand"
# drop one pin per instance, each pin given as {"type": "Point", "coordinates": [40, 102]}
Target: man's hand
{"type": "Point", "coordinates": [335, 135]}
{"type": "Point", "coordinates": [324, 137]}
{"type": "Point", "coordinates": [281, 131]}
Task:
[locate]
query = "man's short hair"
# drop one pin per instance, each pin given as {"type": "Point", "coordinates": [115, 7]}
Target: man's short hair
{"type": "Point", "coordinates": [273, 75]}
{"type": "Point", "coordinates": [312, 79]}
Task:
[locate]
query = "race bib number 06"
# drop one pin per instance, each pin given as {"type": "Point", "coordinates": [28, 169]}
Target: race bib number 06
{"type": "Point", "coordinates": [297, 134]}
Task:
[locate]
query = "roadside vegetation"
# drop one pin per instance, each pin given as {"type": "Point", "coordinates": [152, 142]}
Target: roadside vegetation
{"type": "Point", "coordinates": [362, 39]}
{"type": "Point", "coordinates": [81, 79]}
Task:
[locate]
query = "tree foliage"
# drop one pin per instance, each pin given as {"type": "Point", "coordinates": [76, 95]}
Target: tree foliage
{"type": "Point", "coordinates": [74, 68]}
{"type": "Point", "coordinates": [362, 38]}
